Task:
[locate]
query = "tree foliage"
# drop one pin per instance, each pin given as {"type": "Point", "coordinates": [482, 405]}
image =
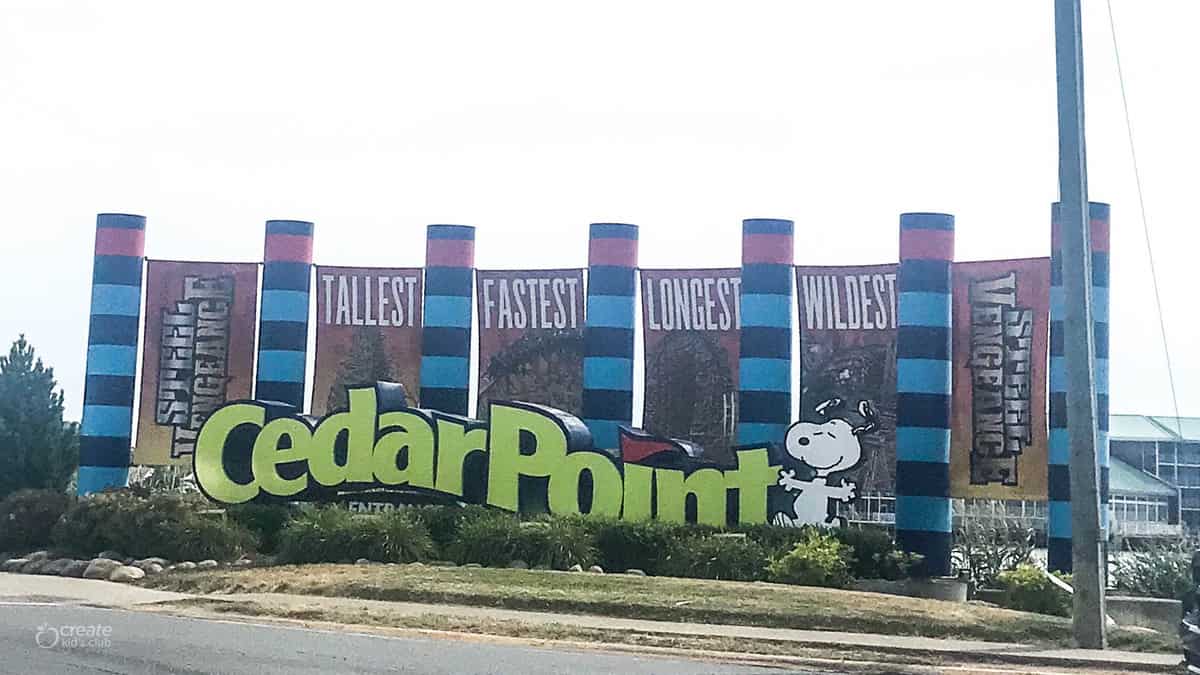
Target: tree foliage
{"type": "Point", "coordinates": [37, 449]}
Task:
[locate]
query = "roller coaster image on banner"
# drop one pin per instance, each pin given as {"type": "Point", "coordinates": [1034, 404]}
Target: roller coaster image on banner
{"type": "Point", "coordinates": [692, 322]}
{"type": "Point", "coordinates": [847, 321]}
{"type": "Point", "coordinates": [530, 337]}
{"type": "Point", "coordinates": [998, 438]}
{"type": "Point", "coordinates": [368, 329]}
{"type": "Point", "coordinates": [199, 352]}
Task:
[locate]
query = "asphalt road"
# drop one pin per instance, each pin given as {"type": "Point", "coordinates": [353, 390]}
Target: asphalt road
{"type": "Point", "coordinates": [56, 638]}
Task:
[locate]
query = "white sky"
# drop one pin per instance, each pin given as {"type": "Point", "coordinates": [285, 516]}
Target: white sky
{"type": "Point", "coordinates": [532, 119]}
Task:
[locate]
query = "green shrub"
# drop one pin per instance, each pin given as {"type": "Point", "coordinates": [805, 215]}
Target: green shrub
{"type": "Point", "coordinates": [776, 540]}
{"type": "Point", "coordinates": [1027, 589]}
{"type": "Point", "coordinates": [444, 522]}
{"type": "Point", "coordinates": [643, 545]}
{"type": "Point", "coordinates": [404, 538]}
{"type": "Point", "coordinates": [873, 555]}
{"type": "Point", "coordinates": [496, 539]}
{"type": "Point", "coordinates": [818, 560]}
{"type": "Point", "coordinates": [730, 557]}
{"type": "Point", "coordinates": [265, 521]}
{"type": "Point", "coordinates": [167, 525]}
{"type": "Point", "coordinates": [985, 548]}
{"type": "Point", "coordinates": [333, 534]}
{"type": "Point", "coordinates": [1157, 571]}
{"type": "Point", "coordinates": [27, 516]}
{"type": "Point", "coordinates": [492, 539]}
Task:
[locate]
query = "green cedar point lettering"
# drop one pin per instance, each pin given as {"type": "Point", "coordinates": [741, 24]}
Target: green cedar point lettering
{"type": "Point", "coordinates": [408, 448]}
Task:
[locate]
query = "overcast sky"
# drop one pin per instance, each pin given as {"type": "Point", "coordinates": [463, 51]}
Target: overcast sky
{"type": "Point", "coordinates": [532, 119]}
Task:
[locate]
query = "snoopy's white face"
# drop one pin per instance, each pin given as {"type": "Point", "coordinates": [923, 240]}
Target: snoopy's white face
{"type": "Point", "coordinates": [828, 447]}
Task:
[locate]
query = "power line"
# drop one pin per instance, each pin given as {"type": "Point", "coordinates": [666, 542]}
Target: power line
{"type": "Point", "coordinates": [1137, 176]}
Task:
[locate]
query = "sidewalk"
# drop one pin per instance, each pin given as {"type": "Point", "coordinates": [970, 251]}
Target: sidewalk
{"type": "Point", "coordinates": [28, 588]}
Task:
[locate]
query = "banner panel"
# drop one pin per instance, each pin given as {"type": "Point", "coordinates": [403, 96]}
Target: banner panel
{"type": "Point", "coordinates": [847, 319]}
{"type": "Point", "coordinates": [998, 431]}
{"type": "Point", "coordinates": [531, 337]}
{"type": "Point", "coordinates": [199, 352]}
{"type": "Point", "coordinates": [368, 329]}
{"type": "Point", "coordinates": [691, 321]}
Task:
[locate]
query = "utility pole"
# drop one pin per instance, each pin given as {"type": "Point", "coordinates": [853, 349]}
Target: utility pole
{"type": "Point", "coordinates": [1087, 540]}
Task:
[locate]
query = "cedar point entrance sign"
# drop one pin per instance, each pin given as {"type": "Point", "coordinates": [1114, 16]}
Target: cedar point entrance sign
{"type": "Point", "coordinates": [912, 383]}
{"type": "Point", "coordinates": [427, 451]}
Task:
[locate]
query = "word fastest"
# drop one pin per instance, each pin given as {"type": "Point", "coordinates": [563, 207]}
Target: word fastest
{"type": "Point", "coordinates": [426, 452]}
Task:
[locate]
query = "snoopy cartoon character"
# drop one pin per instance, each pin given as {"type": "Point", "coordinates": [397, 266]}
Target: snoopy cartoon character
{"type": "Point", "coordinates": [828, 447]}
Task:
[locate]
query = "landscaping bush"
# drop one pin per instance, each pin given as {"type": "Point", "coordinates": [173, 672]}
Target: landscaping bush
{"type": "Point", "coordinates": [265, 521]}
{"type": "Point", "coordinates": [1157, 571]}
{"type": "Point", "coordinates": [732, 557]}
{"type": "Point", "coordinates": [166, 525]}
{"type": "Point", "coordinates": [496, 539]}
{"type": "Point", "coordinates": [444, 522]}
{"type": "Point", "coordinates": [333, 534]}
{"type": "Point", "coordinates": [873, 553]}
{"type": "Point", "coordinates": [818, 560]}
{"type": "Point", "coordinates": [1026, 588]}
{"type": "Point", "coordinates": [985, 549]}
{"type": "Point", "coordinates": [643, 545]}
{"type": "Point", "coordinates": [27, 516]}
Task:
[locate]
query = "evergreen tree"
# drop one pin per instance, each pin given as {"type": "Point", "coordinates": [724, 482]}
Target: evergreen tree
{"type": "Point", "coordinates": [366, 364]}
{"type": "Point", "coordinates": [37, 449]}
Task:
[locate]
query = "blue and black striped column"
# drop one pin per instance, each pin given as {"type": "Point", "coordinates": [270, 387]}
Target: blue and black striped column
{"type": "Point", "coordinates": [765, 354]}
{"type": "Point", "coordinates": [1058, 526]}
{"type": "Point", "coordinates": [924, 520]}
{"type": "Point", "coordinates": [1098, 217]}
{"type": "Point", "coordinates": [104, 435]}
{"type": "Point", "coordinates": [283, 320]}
{"type": "Point", "coordinates": [446, 335]}
{"type": "Point", "coordinates": [608, 332]}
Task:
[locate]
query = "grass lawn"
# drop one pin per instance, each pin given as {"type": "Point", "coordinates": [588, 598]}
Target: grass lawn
{"type": "Point", "coordinates": [656, 598]}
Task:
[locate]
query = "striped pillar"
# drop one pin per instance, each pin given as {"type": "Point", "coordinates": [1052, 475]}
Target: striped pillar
{"type": "Point", "coordinates": [923, 389]}
{"type": "Point", "coordinates": [765, 354]}
{"type": "Point", "coordinates": [608, 332]}
{"type": "Point", "coordinates": [104, 435]}
{"type": "Point", "coordinates": [283, 319]}
{"type": "Point", "coordinates": [1058, 527]}
{"type": "Point", "coordinates": [446, 335]}
{"type": "Point", "coordinates": [1098, 217]}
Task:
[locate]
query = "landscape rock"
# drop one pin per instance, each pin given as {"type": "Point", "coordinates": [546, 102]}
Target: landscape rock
{"type": "Point", "coordinates": [75, 569]}
{"type": "Point", "coordinates": [112, 555]}
{"type": "Point", "coordinates": [207, 564]}
{"type": "Point", "coordinates": [100, 568]}
{"type": "Point", "coordinates": [472, 566]}
{"type": "Point", "coordinates": [34, 566]}
{"type": "Point", "coordinates": [243, 562]}
{"type": "Point", "coordinates": [13, 564]}
{"type": "Point", "coordinates": [152, 568]}
{"type": "Point", "coordinates": [635, 572]}
{"type": "Point", "coordinates": [56, 566]}
{"type": "Point", "coordinates": [362, 561]}
{"type": "Point", "coordinates": [185, 565]}
{"type": "Point", "coordinates": [146, 561]}
{"type": "Point", "coordinates": [126, 573]}
{"type": "Point", "coordinates": [38, 555]}
{"type": "Point", "coordinates": [596, 569]}
{"type": "Point", "coordinates": [518, 565]}
{"type": "Point", "coordinates": [575, 568]}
